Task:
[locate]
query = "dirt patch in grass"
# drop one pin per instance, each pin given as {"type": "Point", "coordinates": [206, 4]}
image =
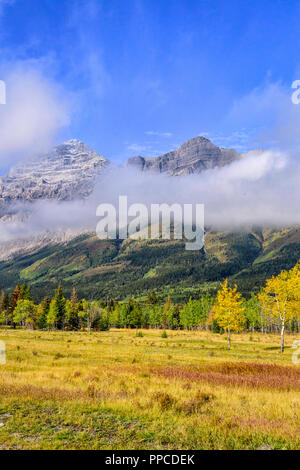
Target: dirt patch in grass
{"type": "Point", "coordinates": [268, 376]}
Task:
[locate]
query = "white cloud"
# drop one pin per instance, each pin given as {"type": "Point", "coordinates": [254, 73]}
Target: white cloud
{"type": "Point", "coordinates": [260, 189]}
{"type": "Point", "coordinates": [159, 134]}
{"type": "Point", "coordinates": [276, 118]}
{"type": "Point", "coordinates": [137, 147]}
{"type": "Point", "coordinates": [35, 110]}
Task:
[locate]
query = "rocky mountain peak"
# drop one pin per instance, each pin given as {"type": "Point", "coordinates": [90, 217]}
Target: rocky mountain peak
{"type": "Point", "coordinates": [66, 172]}
{"type": "Point", "coordinates": [195, 155]}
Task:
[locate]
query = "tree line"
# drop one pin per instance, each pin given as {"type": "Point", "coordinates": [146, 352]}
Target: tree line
{"type": "Point", "coordinates": [276, 308]}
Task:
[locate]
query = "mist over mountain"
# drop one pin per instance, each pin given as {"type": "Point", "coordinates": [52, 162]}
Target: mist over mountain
{"type": "Point", "coordinates": [53, 198]}
{"type": "Point", "coordinates": [48, 219]}
{"type": "Point", "coordinates": [70, 170]}
{"type": "Point", "coordinates": [60, 191]}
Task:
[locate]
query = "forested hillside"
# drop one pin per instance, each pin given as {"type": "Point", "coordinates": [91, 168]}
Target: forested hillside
{"type": "Point", "coordinates": [119, 269]}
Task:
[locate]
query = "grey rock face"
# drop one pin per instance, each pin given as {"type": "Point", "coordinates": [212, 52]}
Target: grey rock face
{"type": "Point", "coordinates": [67, 172]}
{"type": "Point", "coordinates": [193, 156]}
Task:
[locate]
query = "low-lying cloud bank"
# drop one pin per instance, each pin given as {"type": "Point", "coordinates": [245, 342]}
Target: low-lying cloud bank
{"type": "Point", "coordinates": [261, 189]}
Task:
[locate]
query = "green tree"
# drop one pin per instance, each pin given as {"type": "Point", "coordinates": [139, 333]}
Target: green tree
{"type": "Point", "coordinates": [155, 316]}
{"type": "Point", "coordinates": [72, 312]}
{"type": "Point", "coordinates": [253, 313]}
{"type": "Point", "coordinates": [99, 316]}
{"type": "Point", "coordinates": [25, 313]}
{"type": "Point", "coordinates": [4, 304]}
{"type": "Point", "coordinates": [15, 296]}
{"type": "Point", "coordinates": [42, 313]}
{"type": "Point", "coordinates": [135, 316]}
{"type": "Point", "coordinates": [25, 292]}
{"type": "Point", "coordinates": [166, 313]}
{"type": "Point", "coordinates": [152, 298]}
{"type": "Point", "coordinates": [60, 302]}
{"type": "Point", "coordinates": [192, 314]}
{"type": "Point", "coordinates": [52, 314]}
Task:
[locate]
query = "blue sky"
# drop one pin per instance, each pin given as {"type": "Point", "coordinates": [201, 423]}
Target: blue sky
{"type": "Point", "coordinates": [143, 76]}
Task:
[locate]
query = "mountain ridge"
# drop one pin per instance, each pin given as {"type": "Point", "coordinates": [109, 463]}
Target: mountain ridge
{"type": "Point", "coordinates": [70, 169]}
{"type": "Point", "coordinates": [193, 156]}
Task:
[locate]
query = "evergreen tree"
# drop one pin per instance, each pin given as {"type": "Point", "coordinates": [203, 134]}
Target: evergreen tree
{"type": "Point", "coordinates": [73, 319]}
{"type": "Point", "coordinates": [15, 296]}
{"type": "Point", "coordinates": [43, 310]}
{"type": "Point", "coordinates": [2, 308]}
{"type": "Point", "coordinates": [152, 298]}
{"type": "Point", "coordinates": [174, 317]}
{"type": "Point", "coordinates": [25, 292]}
{"type": "Point", "coordinates": [136, 316]}
{"type": "Point", "coordinates": [60, 302]}
{"type": "Point", "coordinates": [4, 312]}
{"type": "Point", "coordinates": [2, 295]}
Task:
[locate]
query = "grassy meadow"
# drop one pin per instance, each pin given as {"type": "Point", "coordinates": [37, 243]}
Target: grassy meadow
{"type": "Point", "coordinates": [116, 390]}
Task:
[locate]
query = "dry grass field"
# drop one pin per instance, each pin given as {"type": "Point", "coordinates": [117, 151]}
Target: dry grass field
{"type": "Point", "coordinates": [114, 390]}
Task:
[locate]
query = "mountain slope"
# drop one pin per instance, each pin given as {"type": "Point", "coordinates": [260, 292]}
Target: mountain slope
{"type": "Point", "coordinates": [119, 269]}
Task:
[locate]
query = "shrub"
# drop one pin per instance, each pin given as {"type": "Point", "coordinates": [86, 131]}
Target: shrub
{"type": "Point", "coordinates": [195, 404]}
{"type": "Point", "coordinates": [58, 356]}
{"type": "Point", "coordinates": [164, 400]}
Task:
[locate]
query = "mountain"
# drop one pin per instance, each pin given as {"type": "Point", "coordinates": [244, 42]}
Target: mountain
{"type": "Point", "coordinates": [119, 269]}
{"type": "Point", "coordinates": [67, 172]}
{"type": "Point", "coordinates": [116, 268]}
{"type": "Point", "coordinates": [193, 156]}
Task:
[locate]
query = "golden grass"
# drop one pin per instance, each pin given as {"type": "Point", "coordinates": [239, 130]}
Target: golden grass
{"type": "Point", "coordinates": [113, 390]}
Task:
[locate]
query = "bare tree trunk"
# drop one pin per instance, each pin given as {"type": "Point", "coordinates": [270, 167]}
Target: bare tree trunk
{"type": "Point", "coordinates": [229, 340]}
{"type": "Point", "coordinates": [282, 338]}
